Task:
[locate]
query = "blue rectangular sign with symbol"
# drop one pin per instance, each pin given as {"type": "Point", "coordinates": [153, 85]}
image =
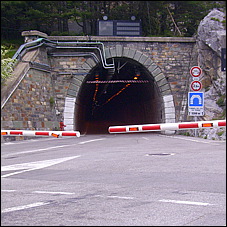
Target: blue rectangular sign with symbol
{"type": "Point", "coordinates": [195, 103]}
{"type": "Point", "coordinates": [195, 99]}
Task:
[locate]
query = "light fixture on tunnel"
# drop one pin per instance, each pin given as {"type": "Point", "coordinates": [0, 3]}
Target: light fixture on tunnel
{"type": "Point", "coordinates": [105, 17]}
{"type": "Point", "coordinates": [133, 18]}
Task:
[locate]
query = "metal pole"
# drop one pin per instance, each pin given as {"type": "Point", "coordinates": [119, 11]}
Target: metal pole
{"type": "Point", "coordinates": [195, 118]}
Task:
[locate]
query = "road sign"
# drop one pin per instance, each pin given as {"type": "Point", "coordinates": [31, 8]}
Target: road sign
{"type": "Point", "coordinates": [195, 71]}
{"type": "Point", "coordinates": [195, 103]}
{"type": "Point", "coordinates": [196, 85]}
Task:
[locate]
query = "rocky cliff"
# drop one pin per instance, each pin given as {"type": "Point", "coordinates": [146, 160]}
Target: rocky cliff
{"type": "Point", "coordinates": [211, 38]}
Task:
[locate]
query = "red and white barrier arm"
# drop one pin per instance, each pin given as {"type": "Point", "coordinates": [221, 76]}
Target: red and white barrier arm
{"type": "Point", "coordinates": [39, 133]}
{"type": "Point", "coordinates": [167, 126]}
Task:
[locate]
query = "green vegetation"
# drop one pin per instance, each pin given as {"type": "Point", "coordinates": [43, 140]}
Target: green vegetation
{"type": "Point", "coordinates": [6, 64]}
{"type": "Point", "coordinates": [221, 101]}
{"type": "Point", "coordinates": [51, 100]}
{"type": "Point", "coordinates": [158, 18]}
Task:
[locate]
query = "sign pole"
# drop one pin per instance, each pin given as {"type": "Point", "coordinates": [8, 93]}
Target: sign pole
{"type": "Point", "coordinates": [195, 129]}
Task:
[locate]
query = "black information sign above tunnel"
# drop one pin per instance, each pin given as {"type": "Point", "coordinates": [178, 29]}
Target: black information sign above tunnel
{"type": "Point", "coordinates": [119, 28]}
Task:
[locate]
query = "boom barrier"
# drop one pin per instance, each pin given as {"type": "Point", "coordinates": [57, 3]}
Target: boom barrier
{"type": "Point", "coordinates": [167, 126]}
{"type": "Point", "coordinates": [39, 133]}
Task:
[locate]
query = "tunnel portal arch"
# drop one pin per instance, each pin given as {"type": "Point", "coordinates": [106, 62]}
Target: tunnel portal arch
{"type": "Point", "coordinates": [138, 93]}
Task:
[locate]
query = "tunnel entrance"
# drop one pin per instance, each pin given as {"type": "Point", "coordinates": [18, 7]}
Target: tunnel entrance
{"type": "Point", "coordinates": [125, 96]}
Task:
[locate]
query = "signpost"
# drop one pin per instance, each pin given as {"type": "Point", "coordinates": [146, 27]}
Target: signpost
{"type": "Point", "coordinates": [195, 98]}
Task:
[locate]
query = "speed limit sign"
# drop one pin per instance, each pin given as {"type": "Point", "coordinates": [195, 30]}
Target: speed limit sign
{"type": "Point", "coordinates": [195, 71]}
{"type": "Point", "coordinates": [196, 85]}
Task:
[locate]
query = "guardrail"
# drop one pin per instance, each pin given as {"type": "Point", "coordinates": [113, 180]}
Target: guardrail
{"type": "Point", "coordinates": [167, 126]}
{"type": "Point", "coordinates": [56, 134]}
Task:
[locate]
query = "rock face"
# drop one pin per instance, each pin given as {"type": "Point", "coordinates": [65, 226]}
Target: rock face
{"type": "Point", "coordinates": [211, 38]}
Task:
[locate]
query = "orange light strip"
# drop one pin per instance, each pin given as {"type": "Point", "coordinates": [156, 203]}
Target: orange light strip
{"type": "Point", "coordinates": [117, 93]}
{"type": "Point", "coordinates": [55, 135]}
{"type": "Point", "coordinates": [207, 125]}
{"type": "Point", "coordinates": [134, 129]}
{"type": "Point", "coordinates": [96, 87]}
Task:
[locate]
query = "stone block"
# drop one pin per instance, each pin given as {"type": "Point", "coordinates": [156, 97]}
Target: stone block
{"type": "Point", "coordinates": [143, 59]}
{"type": "Point", "coordinates": [107, 53]}
{"type": "Point", "coordinates": [125, 52]}
{"type": "Point", "coordinates": [119, 50]}
{"type": "Point", "coordinates": [159, 77]}
{"type": "Point", "coordinates": [68, 115]}
{"type": "Point", "coordinates": [148, 62]}
{"type": "Point", "coordinates": [164, 87]}
{"type": "Point", "coordinates": [131, 53]}
{"type": "Point", "coordinates": [72, 93]}
{"type": "Point", "coordinates": [167, 98]}
{"type": "Point", "coordinates": [86, 66]}
{"type": "Point", "coordinates": [91, 62]}
{"type": "Point", "coordinates": [137, 55]}
{"type": "Point", "coordinates": [156, 71]}
{"type": "Point", "coordinates": [152, 67]}
{"type": "Point", "coordinates": [169, 110]}
{"type": "Point", "coordinates": [74, 87]}
{"type": "Point", "coordinates": [113, 52]}
{"type": "Point", "coordinates": [69, 127]}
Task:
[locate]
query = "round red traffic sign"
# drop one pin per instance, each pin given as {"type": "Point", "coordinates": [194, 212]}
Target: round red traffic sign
{"type": "Point", "coordinates": [195, 71]}
{"type": "Point", "coordinates": [196, 85]}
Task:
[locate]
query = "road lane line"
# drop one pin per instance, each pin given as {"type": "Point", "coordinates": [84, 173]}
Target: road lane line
{"type": "Point", "coordinates": [8, 190]}
{"type": "Point", "coordinates": [89, 141]}
{"type": "Point", "coordinates": [24, 207]}
{"type": "Point", "coordinates": [48, 192]}
{"type": "Point", "coordinates": [50, 148]}
{"type": "Point", "coordinates": [185, 202]}
{"type": "Point", "coordinates": [114, 197]}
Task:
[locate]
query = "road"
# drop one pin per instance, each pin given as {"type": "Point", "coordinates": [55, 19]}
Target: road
{"type": "Point", "coordinates": [132, 179]}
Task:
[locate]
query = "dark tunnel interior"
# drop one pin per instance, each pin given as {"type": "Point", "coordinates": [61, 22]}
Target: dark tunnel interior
{"type": "Point", "coordinates": [130, 97]}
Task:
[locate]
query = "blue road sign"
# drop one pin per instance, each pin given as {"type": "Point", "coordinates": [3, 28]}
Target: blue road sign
{"type": "Point", "coordinates": [195, 99]}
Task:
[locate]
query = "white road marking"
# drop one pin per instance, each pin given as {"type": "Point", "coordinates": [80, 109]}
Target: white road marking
{"type": "Point", "coordinates": [25, 167]}
{"type": "Point", "coordinates": [41, 149]}
{"type": "Point", "coordinates": [23, 207]}
{"type": "Point", "coordinates": [50, 148]}
{"type": "Point", "coordinates": [89, 141]}
{"type": "Point", "coordinates": [27, 141]}
{"type": "Point", "coordinates": [61, 193]}
{"type": "Point", "coordinates": [8, 190]}
{"type": "Point", "coordinates": [185, 202]}
{"type": "Point", "coordinates": [114, 196]}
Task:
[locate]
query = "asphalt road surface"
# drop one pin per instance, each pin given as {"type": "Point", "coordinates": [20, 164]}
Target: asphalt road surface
{"type": "Point", "coordinates": [137, 179]}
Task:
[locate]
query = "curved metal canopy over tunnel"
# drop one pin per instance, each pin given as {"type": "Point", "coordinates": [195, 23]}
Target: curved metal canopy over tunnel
{"type": "Point", "coordinates": [125, 96]}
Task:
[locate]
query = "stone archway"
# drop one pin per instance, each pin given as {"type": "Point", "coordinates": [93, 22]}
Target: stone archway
{"type": "Point", "coordinates": [73, 105]}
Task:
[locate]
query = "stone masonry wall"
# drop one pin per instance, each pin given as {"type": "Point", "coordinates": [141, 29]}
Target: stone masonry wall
{"type": "Point", "coordinates": [30, 106]}
{"type": "Point", "coordinates": [174, 59]}
{"type": "Point", "coordinates": [39, 101]}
